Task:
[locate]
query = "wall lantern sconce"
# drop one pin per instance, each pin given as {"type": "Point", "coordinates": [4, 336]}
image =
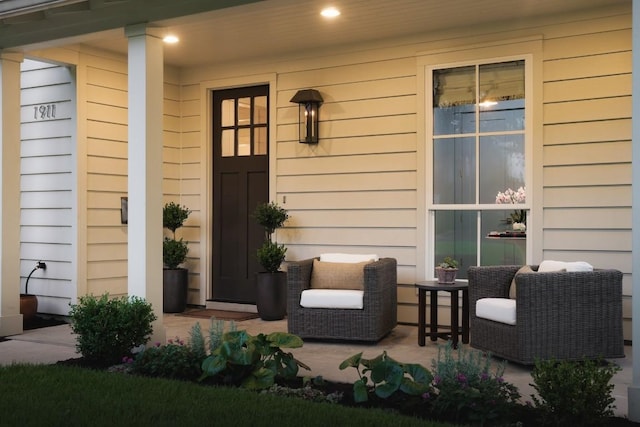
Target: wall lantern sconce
{"type": "Point", "coordinates": [309, 101]}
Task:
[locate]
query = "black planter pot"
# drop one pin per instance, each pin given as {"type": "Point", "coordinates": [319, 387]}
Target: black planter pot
{"type": "Point", "coordinates": [175, 285]}
{"type": "Point", "coordinates": [271, 295]}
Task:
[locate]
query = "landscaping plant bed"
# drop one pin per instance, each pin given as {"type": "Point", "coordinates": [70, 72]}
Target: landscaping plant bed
{"type": "Point", "coordinates": [319, 390]}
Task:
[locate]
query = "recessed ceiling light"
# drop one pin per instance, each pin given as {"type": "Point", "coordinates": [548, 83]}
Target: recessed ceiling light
{"type": "Point", "coordinates": [171, 39]}
{"type": "Point", "coordinates": [330, 12]}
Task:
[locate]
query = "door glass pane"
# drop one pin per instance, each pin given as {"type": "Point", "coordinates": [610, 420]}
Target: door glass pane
{"type": "Point", "coordinates": [244, 111]}
{"type": "Point", "coordinates": [228, 112]}
{"type": "Point", "coordinates": [501, 94]}
{"type": "Point", "coordinates": [260, 141]}
{"type": "Point", "coordinates": [244, 142]}
{"type": "Point", "coordinates": [228, 143]}
{"type": "Point", "coordinates": [454, 170]}
{"type": "Point", "coordinates": [260, 110]}
{"type": "Point", "coordinates": [454, 99]}
{"type": "Point", "coordinates": [501, 165]}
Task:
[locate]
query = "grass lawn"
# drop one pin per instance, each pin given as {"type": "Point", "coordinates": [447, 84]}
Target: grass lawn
{"type": "Point", "coordinates": [51, 395]}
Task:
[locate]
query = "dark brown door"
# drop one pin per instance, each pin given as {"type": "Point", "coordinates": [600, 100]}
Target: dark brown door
{"type": "Point", "coordinates": [240, 183]}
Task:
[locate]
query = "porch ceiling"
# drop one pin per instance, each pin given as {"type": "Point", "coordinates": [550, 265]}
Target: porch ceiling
{"type": "Point", "coordinates": [261, 29]}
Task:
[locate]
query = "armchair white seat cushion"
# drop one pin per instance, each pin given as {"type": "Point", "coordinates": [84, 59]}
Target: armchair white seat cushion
{"type": "Point", "coordinates": [501, 310]}
{"type": "Point", "coordinates": [332, 298]}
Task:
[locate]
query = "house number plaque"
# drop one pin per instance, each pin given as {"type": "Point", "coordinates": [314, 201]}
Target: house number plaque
{"type": "Point", "coordinates": [44, 111]}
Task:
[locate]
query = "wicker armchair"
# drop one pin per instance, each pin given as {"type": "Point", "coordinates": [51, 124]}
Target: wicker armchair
{"type": "Point", "coordinates": [559, 315]}
{"type": "Point", "coordinates": [375, 320]}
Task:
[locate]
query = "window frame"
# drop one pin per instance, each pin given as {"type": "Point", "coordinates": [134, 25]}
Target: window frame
{"type": "Point", "coordinates": [429, 206]}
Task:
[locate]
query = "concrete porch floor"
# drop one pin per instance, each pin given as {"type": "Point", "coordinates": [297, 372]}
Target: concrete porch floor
{"type": "Point", "coordinates": [49, 345]}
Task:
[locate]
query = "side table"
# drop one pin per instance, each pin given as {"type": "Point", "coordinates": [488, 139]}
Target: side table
{"type": "Point", "coordinates": [433, 287]}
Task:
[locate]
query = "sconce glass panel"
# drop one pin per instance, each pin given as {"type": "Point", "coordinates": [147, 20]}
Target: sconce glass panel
{"type": "Point", "coordinates": [308, 123]}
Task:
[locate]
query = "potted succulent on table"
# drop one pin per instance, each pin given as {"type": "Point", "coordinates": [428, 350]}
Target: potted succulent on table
{"type": "Point", "coordinates": [271, 285]}
{"type": "Point", "coordinates": [447, 270]}
{"type": "Point", "coordinates": [175, 281]}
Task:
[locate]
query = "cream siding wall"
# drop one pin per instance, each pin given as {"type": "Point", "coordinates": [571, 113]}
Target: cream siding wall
{"type": "Point", "coordinates": [358, 189]}
{"type": "Point", "coordinates": [190, 185]}
{"type": "Point", "coordinates": [47, 187]}
{"type": "Point", "coordinates": [105, 80]}
{"type": "Point", "coordinates": [101, 168]}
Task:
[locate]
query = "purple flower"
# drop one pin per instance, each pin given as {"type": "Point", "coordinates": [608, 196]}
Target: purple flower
{"type": "Point", "coordinates": [425, 396]}
{"type": "Point", "coordinates": [461, 378]}
{"type": "Point", "coordinates": [158, 344]}
{"type": "Point", "coordinates": [484, 376]}
{"type": "Point", "coordinates": [437, 380]}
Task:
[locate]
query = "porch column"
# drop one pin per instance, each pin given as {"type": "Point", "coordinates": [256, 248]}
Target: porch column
{"type": "Point", "coordinates": [10, 317]}
{"type": "Point", "coordinates": [633, 393]}
{"type": "Point", "coordinates": [145, 170]}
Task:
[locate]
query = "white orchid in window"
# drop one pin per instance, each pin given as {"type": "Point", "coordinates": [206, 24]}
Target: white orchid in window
{"type": "Point", "coordinates": [510, 196]}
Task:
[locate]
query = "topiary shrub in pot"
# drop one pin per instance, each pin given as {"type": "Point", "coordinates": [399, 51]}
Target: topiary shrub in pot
{"type": "Point", "coordinates": [271, 295]}
{"type": "Point", "coordinates": [174, 253]}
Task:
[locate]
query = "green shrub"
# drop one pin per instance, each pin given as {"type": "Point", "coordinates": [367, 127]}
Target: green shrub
{"type": "Point", "coordinates": [253, 362]}
{"type": "Point", "coordinates": [174, 360]}
{"type": "Point", "coordinates": [387, 376]}
{"type": "Point", "coordinates": [109, 329]}
{"type": "Point", "coordinates": [270, 255]}
{"type": "Point", "coordinates": [174, 216]}
{"type": "Point", "coordinates": [465, 390]}
{"type": "Point", "coordinates": [174, 252]}
{"type": "Point", "coordinates": [177, 359]}
{"type": "Point", "coordinates": [573, 393]}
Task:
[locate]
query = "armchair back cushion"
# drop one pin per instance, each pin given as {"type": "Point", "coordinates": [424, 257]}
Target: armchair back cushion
{"type": "Point", "coordinates": [337, 275]}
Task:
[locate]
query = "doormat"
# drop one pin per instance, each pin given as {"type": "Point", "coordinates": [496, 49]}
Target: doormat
{"type": "Point", "coordinates": [237, 316]}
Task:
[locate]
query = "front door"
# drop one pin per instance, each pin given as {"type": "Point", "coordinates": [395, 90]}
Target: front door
{"type": "Point", "coordinates": [240, 183]}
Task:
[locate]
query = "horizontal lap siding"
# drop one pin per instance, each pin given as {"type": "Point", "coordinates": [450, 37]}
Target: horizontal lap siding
{"type": "Point", "coordinates": [355, 191]}
{"type": "Point", "coordinates": [46, 184]}
{"type": "Point", "coordinates": [106, 89]}
{"type": "Point", "coordinates": [587, 149]}
{"type": "Point", "coordinates": [107, 174]}
{"type": "Point", "coordinates": [190, 186]}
